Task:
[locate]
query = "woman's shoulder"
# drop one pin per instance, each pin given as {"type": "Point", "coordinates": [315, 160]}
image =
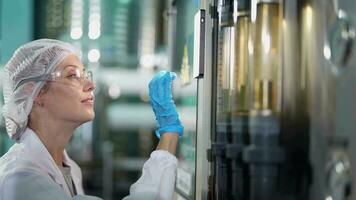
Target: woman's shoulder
{"type": "Point", "coordinates": [15, 161]}
{"type": "Point", "coordinates": [20, 173]}
{"type": "Point", "coordinates": [29, 184]}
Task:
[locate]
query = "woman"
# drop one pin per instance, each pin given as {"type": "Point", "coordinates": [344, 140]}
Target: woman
{"type": "Point", "coordinates": [48, 93]}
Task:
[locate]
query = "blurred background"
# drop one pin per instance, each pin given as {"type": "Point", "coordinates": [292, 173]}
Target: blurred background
{"type": "Point", "coordinates": [124, 42]}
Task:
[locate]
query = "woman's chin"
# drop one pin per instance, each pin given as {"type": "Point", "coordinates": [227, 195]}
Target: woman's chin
{"type": "Point", "coordinates": [91, 117]}
{"type": "Point", "coordinates": [88, 117]}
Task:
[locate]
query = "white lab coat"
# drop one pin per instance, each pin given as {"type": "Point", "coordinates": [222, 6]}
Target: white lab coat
{"type": "Point", "coordinates": [28, 172]}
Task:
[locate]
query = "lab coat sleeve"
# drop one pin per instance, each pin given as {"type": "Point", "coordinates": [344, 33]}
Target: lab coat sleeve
{"type": "Point", "coordinates": [157, 179]}
{"type": "Point", "coordinates": [31, 185]}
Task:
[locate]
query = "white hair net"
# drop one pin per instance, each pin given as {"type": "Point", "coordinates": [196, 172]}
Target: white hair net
{"type": "Point", "coordinates": [29, 61]}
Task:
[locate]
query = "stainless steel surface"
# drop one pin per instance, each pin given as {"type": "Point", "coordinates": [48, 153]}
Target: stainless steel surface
{"type": "Point", "coordinates": [314, 94]}
{"type": "Point", "coordinates": [338, 179]}
{"type": "Point", "coordinates": [339, 43]}
{"type": "Point", "coordinates": [203, 117]}
{"type": "Point", "coordinates": [330, 81]}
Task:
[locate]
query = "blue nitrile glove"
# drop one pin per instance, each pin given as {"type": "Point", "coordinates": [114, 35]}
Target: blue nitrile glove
{"type": "Point", "coordinates": [160, 91]}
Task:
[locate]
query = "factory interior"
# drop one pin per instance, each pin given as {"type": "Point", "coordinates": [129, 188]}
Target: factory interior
{"type": "Point", "coordinates": [265, 90]}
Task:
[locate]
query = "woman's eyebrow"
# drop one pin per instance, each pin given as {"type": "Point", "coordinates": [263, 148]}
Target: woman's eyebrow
{"type": "Point", "coordinates": [81, 68]}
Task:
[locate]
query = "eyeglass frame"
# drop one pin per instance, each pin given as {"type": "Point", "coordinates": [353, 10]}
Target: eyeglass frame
{"type": "Point", "coordinates": [88, 76]}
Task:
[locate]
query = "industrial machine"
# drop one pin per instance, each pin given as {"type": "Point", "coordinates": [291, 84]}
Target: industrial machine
{"type": "Point", "coordinates": [275, 103]}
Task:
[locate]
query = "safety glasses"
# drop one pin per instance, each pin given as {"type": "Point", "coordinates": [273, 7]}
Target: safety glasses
{"type": "Point", "coordinates": [70, 74]}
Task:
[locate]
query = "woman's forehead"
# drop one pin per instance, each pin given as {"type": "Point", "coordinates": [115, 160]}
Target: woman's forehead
{"type": "Point", "coordinates": [71, 60]}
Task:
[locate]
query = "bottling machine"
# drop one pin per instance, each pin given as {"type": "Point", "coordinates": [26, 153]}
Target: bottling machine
{"type": "Point", "coordinates": [275, 103]}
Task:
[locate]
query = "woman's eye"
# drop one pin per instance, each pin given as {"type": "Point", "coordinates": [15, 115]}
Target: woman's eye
{"type": "Point", "coordinates": [72, 76]}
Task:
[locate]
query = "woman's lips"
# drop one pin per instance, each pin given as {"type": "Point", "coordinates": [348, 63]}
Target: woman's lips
{"type": "Point", "coordinates": [89, 101]}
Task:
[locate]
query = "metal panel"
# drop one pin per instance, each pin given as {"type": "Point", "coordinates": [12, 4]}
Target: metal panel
{"type": "Point", "coordinates": [204, 107]}
{"type": "Point", "coordinates": [182, 61]}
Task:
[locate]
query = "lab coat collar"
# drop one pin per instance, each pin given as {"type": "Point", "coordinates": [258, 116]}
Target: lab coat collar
{"type": "Point", "coordinates": [37, 152]}
{"type": "Point", "coordinates": [75, 171]}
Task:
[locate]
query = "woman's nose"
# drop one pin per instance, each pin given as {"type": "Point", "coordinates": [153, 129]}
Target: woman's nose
{"type": "Point", "coordinates": [88, 86]}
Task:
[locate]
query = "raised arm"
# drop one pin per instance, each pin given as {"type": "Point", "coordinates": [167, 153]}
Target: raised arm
{"type": "Point", "coordinates": [168, 142]}
{"type": "Point", "coordinates": [159, 172]}
{"type": "Point", "coordinates": [169, 125]}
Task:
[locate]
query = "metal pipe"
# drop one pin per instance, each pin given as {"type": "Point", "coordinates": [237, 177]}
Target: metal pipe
{"type": "Point", "coordinates": [239, 101]}
{"type": "Point", "coordinates": [264, 153]}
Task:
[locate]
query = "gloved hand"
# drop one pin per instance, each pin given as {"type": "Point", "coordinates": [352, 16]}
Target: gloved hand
{"type": "Point", "coordinates": [160, 91]}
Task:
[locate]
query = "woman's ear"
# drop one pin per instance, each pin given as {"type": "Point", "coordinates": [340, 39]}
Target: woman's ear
{"type": "Point", "coordinates": [38, 101]}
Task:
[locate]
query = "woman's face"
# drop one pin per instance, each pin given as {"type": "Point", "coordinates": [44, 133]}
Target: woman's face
{"type": "Point", "coordinates": [69, 98]}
